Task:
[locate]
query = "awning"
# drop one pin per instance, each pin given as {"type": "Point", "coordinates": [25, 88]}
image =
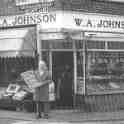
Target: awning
{"type": "Point", "coordinates": [17, 42]}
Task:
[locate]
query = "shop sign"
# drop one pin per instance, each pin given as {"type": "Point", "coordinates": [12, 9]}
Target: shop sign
{"type": "Point", "coordinates": [102, 23]}
{"type": "Point", "coordinates": [26, 2]}
{"type": "Point", "coordinates": [28, 19]}
{"type": "Point", "coordinates": [94, 22]}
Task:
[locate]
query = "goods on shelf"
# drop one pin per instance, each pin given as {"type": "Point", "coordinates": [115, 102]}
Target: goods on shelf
{"type": "Point", "coordinates": [106, 72]}
{"type": "Point", "coordinates": [114, 85]}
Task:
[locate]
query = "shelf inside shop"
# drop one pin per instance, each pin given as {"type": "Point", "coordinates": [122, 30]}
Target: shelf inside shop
{"type": "Point", "coordinates": [105, 88]}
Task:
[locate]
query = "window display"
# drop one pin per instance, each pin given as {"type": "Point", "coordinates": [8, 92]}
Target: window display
{"type": "Point", "coordinates": [105, 71]}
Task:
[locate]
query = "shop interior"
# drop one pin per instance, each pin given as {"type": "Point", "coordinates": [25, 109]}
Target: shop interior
{"type": "Point", "coordinates": [62, 68]}
{"type": "Point", "coordinates": [105, 63]}
{"type": "Point", "coordinates": [105, 71]}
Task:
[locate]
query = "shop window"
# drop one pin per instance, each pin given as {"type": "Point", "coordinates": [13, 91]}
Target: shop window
{"type": "Point", "coordinates": [116, 45]}
{"type": "Point", "coordinates": [105, 71]}
{"type": "Point", "coordinates": [44, 44]}
{"type": "Point", "coordinates": [79, 44]}
{"type": "Point", "coordinates": [57, 44]}
{"type": "Point", "coordinates": [95, 45]}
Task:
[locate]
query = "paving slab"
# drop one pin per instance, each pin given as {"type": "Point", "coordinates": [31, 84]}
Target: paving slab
{"type": "Point", "coordinates": [70, 116]}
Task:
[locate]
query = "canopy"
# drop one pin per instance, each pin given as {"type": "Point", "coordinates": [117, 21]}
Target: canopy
{"type": "Point", "coordinates": [17, 42]}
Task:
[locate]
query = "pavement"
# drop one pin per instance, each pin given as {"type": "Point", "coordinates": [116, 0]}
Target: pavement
{"type": "Point", "coordinates": [68, 116]}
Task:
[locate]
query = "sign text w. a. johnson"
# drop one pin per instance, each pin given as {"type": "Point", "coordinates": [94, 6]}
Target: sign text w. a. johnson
{"type": "Point", "coordinates": [100, 23]}
{"type": "Point", "coordinates": [27, 19]}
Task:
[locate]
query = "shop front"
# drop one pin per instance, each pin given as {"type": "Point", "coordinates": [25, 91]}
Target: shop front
{"type": "Point", "coordinates": [83, 51]}
{"type": "Point", "coordinates": [92, 45]}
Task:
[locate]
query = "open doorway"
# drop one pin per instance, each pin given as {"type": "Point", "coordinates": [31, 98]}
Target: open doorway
{"type": "Point", "coordinates": [62, 63]}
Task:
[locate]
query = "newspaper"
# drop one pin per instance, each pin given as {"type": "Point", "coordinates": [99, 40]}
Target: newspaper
{"type": "Point", "coordinates": [31, 80]}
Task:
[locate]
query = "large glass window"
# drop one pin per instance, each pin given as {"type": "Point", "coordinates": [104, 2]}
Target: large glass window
{"type": "Point", "coordinates": [56, 44]}
{"type": "Point", "coordinates": [95, 45]}
{"type": "Point", "coordinates": [116, 45]}
{"type": "Point", "coordinates": [105, 71]}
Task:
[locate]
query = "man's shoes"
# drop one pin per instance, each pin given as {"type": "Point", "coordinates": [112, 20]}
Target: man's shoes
{"type": "Point", "coordinates": [42, 115]}
{"type": "Point", "coordinates": [38, 116]}
{"type": "Point", "coordinates": [46, 116]}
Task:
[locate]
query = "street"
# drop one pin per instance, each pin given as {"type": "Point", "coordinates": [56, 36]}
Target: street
{"type": "Point", "coordinates": [13, 121]}
{"type": "Point", "coordinates": [63, 117]}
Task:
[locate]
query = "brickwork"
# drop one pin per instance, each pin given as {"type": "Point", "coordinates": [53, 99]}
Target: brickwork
{"type": "Point", "coordinates": [94, 6]}
{"type": "Point", "coordinates": [8, 7]}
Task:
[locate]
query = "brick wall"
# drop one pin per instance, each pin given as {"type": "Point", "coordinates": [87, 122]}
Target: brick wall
{"type": "Point", "coordinates": [8, 7]}
{"type": "Point", "coordinates": [93, 6]}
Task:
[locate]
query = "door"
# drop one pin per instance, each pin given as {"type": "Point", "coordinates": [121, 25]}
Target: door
{"type": "Point", "coordinates": [62, 69]}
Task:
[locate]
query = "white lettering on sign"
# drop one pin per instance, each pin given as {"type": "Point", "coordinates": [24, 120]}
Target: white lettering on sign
{"type": "Point", "coordinates": [28, 19]}
{"type": "Point", "coordinates": [73, 21]}
{"type": "Point", "coordinates": [93, 22]}
{"type": "Point", "coordinates": [100, 23]}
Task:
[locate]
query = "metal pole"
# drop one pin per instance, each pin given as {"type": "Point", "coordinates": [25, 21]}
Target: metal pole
{"type": "Point", "coordinates": [75, 74]}
{"type": "Point", "coordinates": [50, 59]}
{"type": "Point", "coordinates": [84, 61]}
{"type": "Point", "coordinates": [39, 43]}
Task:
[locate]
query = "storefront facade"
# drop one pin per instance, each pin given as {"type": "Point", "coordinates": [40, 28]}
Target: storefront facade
{"type": "Point", "coordinates": [90, 46]}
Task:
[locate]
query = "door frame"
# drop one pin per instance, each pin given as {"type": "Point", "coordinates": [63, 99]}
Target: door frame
{"type": "Point", "coordinates": [74, 85]}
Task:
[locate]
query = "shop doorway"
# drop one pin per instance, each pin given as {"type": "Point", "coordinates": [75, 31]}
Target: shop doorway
{"type": "Point", "coordinates": [62, 68]}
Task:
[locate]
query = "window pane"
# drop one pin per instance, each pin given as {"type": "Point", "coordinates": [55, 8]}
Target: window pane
{"type": "Point", "coordinates": [44, 44]}
{"type": "Point", "coordinates": [116, 45]}
{"type": "Point", "coordinates": [95, 45]}
{"type": "Point", "coordinates": [57, 44]}
{"type": "Point", "coordinates": [105, 71]}
{"type": "Point", "coordinates": [79, 44]}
